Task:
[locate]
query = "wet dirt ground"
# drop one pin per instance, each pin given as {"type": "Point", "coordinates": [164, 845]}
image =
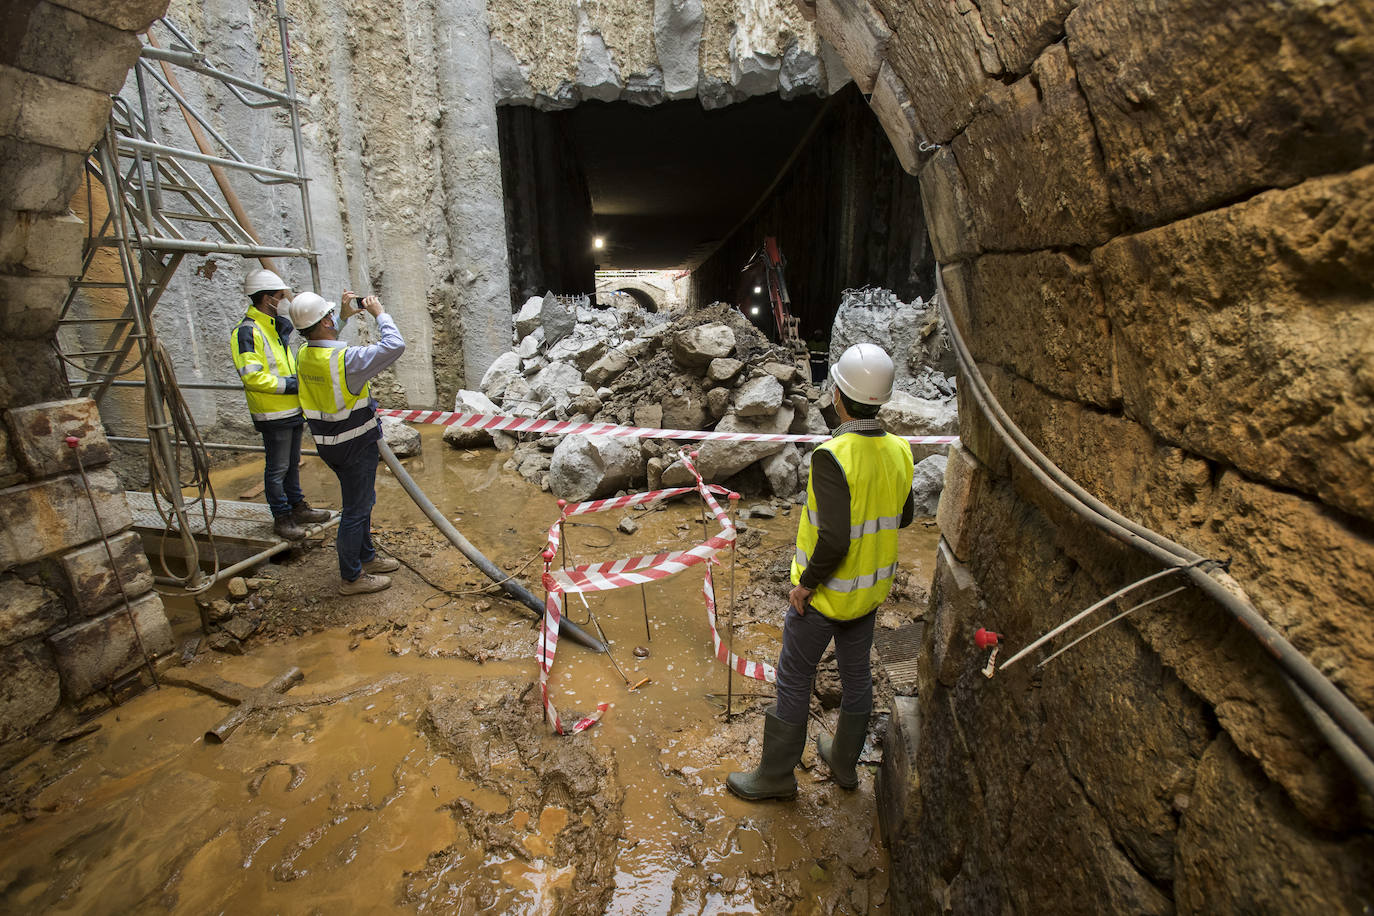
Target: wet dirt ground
{"type": "Point", "coordinates": [429, 781]}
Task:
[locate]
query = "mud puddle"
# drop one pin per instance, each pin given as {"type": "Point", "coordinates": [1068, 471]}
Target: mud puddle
{"type": "Point", "coordinates": [434, 786]}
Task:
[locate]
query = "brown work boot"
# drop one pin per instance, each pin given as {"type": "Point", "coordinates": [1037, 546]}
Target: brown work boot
{"type": "Point", "coordinates": [365, 584]}
{"type": "Point", "coordinates": [381, 564]}
{"type": "Point", "coordinates": [287, 529]}
{"type": "Point", "coordinates": [302, 514]}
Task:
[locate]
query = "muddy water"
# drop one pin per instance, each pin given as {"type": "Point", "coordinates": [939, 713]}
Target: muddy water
{"type": "Point", "coordinates": [432, 784]}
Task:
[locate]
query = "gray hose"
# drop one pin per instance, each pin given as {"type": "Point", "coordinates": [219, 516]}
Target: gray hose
{"type": "Point", "coordinates": [509, 585]}
{"type": "Point", "coordinates": [1331, 711]}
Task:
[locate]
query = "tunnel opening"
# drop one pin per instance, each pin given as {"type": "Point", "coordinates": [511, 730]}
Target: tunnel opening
{"type": "Point", "coordinates": [679, 188]}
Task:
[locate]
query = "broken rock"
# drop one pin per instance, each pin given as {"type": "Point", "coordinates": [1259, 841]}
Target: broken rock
{"type": "Point", "coordinates": [696, 347]}
{"type": "Point", "coordinates": [586, 467]}
{"type": "Point", "coordinates": [759, 397]}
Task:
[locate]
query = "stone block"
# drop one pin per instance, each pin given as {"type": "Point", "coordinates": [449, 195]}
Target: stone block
{"type": "Point", "coordinates": [954, 613]}
{"type": "Point", "coordinates": [48, 245]}
{"type": "Point", "coordinates": [1242, 848]}
{"type": "Point", "coordinates": [36, 177]}
{"type": "Point", "coordinates": [31, 373]}
{"type": "Point", "coordinates": [1115, 692]}
{"type": "Point", "coordinates": [48, 517]}
{"type": "Point", "coordinates": [95, 652]}
{"type": "Point", "coordinates": [1042, 316]}
{"type": "Point", "coordinates": [30, 689]}
{"type": "Point", "coordinates": [898, 789]}
{"type": "Point", "coordinates": [893, 109]}
{"type": "Point", "coordinates": [1057, 824]}
{"type": "Point", "coordinates": [93, 584]}
{"type": "Point", "coordinates": [9, 467]}
{"type": "Point", "coordinates": [858, 32]}
{"type": "Point", "coordinates": [949, 215]}
{"type": "Point", "coordinates": [42, 110]}
{"type": "Point", "coordinates": [1030, 141]}
{"type": "Point", "coordinates": [957, 501]}
{"type": "Point", "coordinates": [129, 15]}
{"type": "Point", "coordinates": [1258, 96]}
{"type": "Point", "coordinates": [29, 306]}
{"type": "Point", "coordinates": [64, 45]}
{"type": "Point", "coordinates": [27, 611]}
{"type": "Point", "coordinates": [939, 48]}
{"type": "Point", "coordinates": [1244, 335]}
{"type": "Point", "coordinates": [38, 434]}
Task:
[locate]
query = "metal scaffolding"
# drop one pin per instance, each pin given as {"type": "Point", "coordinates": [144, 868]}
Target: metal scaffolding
{"type": "Point", "coordinates": [155, 213]}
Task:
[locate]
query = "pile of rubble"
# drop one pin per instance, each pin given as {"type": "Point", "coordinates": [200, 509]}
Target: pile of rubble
{"type": "Point", "coordinates": [707, 368]}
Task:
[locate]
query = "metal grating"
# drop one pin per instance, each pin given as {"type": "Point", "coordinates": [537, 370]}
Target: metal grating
{"type": "Point", "coordinates": [248, 523]}
{"type": "Point", "coordinates": [898, 651]}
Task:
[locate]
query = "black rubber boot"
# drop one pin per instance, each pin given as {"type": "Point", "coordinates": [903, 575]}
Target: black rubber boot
{"type": "Point", "coordinates": [287, 529]}
{"type": "Point", "coordinates": [842, 753]}
{"type": "Point", "coordinates": [302, 514]}
{"type": "Point", "coordinates": [782, 750]}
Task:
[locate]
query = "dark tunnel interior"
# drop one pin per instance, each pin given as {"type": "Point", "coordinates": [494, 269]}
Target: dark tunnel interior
{"type": "Point", "coordinates": [677, 187]}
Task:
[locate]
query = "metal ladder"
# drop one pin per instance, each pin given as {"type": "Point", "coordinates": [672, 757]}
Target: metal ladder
{"type": "Point", "coordinates": [156, 213]}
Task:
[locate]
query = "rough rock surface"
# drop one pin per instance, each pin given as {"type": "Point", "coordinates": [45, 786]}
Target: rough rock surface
{"type": "Point", "coordinates": [401, 437]}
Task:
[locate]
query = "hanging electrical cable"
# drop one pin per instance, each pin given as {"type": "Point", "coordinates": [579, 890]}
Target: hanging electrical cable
{"type": "Point", "coordinates": [170, 469]}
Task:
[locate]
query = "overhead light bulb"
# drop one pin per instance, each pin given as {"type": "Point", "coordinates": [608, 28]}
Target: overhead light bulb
{"type": "Point", "coordinates": [598, 242]}
{"type": "Point", "coordinates": [754, 310]}
{"type": "Point", "coordinates": [757, 290]}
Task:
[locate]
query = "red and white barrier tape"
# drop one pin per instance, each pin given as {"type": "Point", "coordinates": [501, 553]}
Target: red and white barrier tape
{"type": "Point", "coordinates": [596, 577]}
{"type": "Point", "coordinates": [507, 424]}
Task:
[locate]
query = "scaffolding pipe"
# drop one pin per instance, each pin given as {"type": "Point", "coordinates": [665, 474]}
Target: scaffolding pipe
{"type": "Point", "coordinates": [509, 585]}
{"type": "Point", "coordinates": [216, 446]}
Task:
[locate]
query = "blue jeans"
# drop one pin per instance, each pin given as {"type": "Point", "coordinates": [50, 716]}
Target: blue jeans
{"type": "Point", "coordinates": [281, 476]}
{"type": "Point", "coordinates": [357, 483]}
{"type": "Point", "coordinates": [804, 640]}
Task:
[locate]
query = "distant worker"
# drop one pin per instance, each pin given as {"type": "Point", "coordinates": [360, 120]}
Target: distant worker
{"type": "Point", "coordinates": [334, 383]}
{"type": "Point", "coordinates": [858, 495]}
{"type": "Point", "coordinates": [267, 368]}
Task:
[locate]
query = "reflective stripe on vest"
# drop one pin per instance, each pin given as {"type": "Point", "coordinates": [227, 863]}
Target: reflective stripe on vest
{"type": "Point", "coordinates": [335, 414]}
{"type": "Point", "coordinates": [267, 355]}
{"type": "Point", "coordinates": [877, 470]}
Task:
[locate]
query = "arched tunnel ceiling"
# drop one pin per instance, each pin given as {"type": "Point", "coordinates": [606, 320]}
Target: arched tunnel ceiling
{"type": "Point", "coordinates": [668, 183]}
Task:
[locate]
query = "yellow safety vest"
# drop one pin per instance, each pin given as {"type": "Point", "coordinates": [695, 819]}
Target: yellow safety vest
{"type": "Point", "coordinates": [878, 472]}
{"type": "Point", "coordinates": [264, 365]}
{"type": "Point", "coordinates": [338, 417]}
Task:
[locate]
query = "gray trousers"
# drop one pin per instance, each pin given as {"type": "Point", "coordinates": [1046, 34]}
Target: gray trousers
{"type": "Point", "coordinates": [804, 640]}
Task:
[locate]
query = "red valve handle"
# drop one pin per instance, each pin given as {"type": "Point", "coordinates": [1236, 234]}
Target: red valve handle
{"type": "Point", "coordinates": [72, 442]}
{"type": "Point", "coordinates": [985, 639]}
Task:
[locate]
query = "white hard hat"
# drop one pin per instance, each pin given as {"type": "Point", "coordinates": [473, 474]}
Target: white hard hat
{"type": "Point", "coordinates": [307, 309]}
{"type": "Point", "coordinates": [865, 373]}
{"type": "Point", "coordinates": [259, 280]}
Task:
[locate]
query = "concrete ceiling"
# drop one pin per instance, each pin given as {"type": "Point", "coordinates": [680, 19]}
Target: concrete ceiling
{"type": "Point", "coordinates": [669, 183]}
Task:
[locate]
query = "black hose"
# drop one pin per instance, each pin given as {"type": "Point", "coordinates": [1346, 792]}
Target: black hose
{"type": "Point", "coordinates": [509, 585]}
{"type": "Point", "coordinates": [1324, 698]}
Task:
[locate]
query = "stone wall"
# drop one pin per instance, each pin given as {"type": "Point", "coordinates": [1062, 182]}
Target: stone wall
{"type": "Point", "coordinates": [1153, 225]}
{"type": "Point", "coordinates": [65, 630]}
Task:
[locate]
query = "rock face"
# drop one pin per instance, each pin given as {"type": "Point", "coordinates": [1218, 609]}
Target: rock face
{"type": "Point", "coordinates": [1157, 250]}
{"type": "Point", "coordinates": [552, 54]}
